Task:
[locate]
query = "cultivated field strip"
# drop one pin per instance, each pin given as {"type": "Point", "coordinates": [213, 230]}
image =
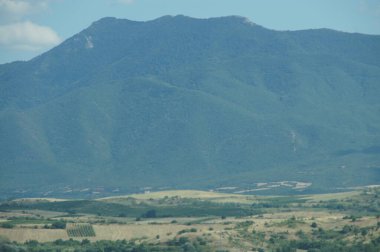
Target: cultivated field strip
{"type": "Point", "coordinates": [80, 230]}
{"type": "Point", "coordinates": [27, 234]}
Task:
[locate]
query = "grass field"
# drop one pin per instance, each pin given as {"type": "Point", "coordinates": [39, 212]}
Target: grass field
{"type": "Point", "coordinates": [26, 234]}
{"type": "Point", "coordinates": [352, 218]}
{"type": "Point", "coordinates": [186, 194]}
{"type": "Point", "coordinates": [332, 196]}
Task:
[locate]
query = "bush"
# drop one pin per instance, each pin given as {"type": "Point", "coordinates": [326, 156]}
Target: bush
{"type": "Point", "coordinates": [150, 214]}
{"type": "Point", "coordinates": [85, 242]}
{"type": "Point", "coordinates": [58, 225]}
{"type": "Point", "coordinates": [7, 225]}
{"type": "Point", "coordinates": [192, 230]}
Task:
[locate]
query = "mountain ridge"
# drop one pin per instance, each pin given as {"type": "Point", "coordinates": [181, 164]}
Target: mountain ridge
{"type": "Point", "coordinates": [192, 103]}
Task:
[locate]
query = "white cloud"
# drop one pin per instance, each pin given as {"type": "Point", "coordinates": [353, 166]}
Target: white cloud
{"type": "Point", "coordinates": [27, 36]}
{"type": "Point", "coordinates": [15, 7]}
{"type": "Point", "coordinates": [12, 10]}
{"type": "Point", "coordinates": [16, 33]}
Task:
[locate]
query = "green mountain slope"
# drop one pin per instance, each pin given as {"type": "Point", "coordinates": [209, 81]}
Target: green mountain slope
{"type": "Point", "coordinates": [192, 103]}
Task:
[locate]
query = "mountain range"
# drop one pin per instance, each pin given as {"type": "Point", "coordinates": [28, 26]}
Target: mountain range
{"type": "Point", "coordinates": [179, 102]}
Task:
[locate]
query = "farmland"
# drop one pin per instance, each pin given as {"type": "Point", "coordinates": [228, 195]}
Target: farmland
{"type": "Point", "coordinates": [80, 230]}
{"type": "Point", "coordinates": [208, 221]}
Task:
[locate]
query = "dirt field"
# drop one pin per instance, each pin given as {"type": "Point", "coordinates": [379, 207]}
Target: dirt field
{"type": "Point", "coordinates": [26, 234]}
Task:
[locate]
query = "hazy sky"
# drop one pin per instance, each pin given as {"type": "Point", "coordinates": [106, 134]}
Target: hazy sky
{"type": "Point", "coordinates": [30, 27]}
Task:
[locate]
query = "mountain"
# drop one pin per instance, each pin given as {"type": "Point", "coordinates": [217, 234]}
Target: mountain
{"type": "Point", "coordinates": [179, 102]}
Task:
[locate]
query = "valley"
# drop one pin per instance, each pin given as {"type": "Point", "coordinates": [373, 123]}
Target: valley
{"type": "Point", "coordinates": [283, 187]}
{"type": "Point", "coordinates": [197, 221]}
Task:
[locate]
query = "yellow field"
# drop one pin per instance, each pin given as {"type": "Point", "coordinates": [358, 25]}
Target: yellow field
{"type": "Point", "coordinates": [25, 234]}
{"type": "Point", "coordinates": [143, 231]}
{"type": "Point", "coordinates": [188, 194]}
{"type": "Point", "coordinates": [221, 197]}
{"type": "Point", "coordinates": [232, 233]}
{"type": "Point", "coordinates": [176, 193]}
{"type": "Point", "coordinates": [149, 229]}
{"type": "Point", "coordinates": [332, 196]}
{"type": "Point", "coordinates": [137, 231]}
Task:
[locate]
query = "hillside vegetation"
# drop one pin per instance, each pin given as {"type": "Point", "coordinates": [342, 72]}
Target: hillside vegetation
{"type": "Point", "coordinates": [179, 102]}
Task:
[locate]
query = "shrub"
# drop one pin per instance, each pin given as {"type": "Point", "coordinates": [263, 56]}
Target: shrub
{"type": "Point", "coordinates": [7, 225]}
{"type": "Point", "coordinates": [150, 214]}
{"type": "Point", "coordinates": [85, 242]}
{"type": "Point", "coordinates": [58, 225]}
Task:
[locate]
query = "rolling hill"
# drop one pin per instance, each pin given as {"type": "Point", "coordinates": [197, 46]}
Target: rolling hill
{"type": "Point", "coordinates": [186, 103]}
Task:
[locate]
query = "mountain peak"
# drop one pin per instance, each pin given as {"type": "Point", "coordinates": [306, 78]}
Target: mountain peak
{"type": "Point", "coordinates": [167, 17]}
{"type": "Point", "coordinates": [175, 18]}
{"type": "Point", "coordinates": [111, 20]}
{"type": "Point", "coordinates": [239, 19]}
{"type": "Point", "coordinates": [231, 18]}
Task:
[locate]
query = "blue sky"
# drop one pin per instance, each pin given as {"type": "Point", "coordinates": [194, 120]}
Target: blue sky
{"type": "Point", "coordinates": [30, 27]}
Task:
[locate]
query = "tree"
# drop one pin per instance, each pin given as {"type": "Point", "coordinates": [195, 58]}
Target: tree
{"type": "Point", "coordinates": [150, 214]}
{"type": "Point", "coordinates": [7, 225]}
{"type": "Point", "coordinates": [59, 225]}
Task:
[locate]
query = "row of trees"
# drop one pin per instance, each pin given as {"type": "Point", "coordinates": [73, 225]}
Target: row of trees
{"type": "Point", "coordinates": [183, 244]}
